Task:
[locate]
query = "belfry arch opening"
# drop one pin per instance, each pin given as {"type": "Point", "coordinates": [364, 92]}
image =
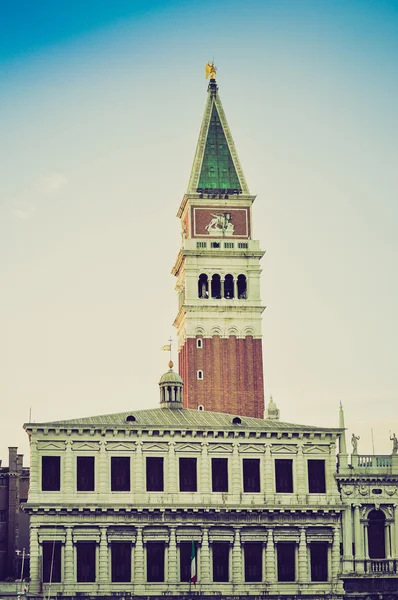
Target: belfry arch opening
{"type": "Point", "coordinates": [229, 286]}
{"type": "Point", "coordinates": [242, 287]}
{"type": "Point", "coordinates": [376, 534]}
{"type": "Point", "coordinates": [203, 286]}
{"type": "Point", "coordinates": [216, 287]}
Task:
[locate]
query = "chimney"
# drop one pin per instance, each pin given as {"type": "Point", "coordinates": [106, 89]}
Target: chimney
{"type": "Point", "coordinates": [12, 458]}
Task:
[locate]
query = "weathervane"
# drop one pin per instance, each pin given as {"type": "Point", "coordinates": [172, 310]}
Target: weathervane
{"type": "Point", "coordinates": [211, 70]}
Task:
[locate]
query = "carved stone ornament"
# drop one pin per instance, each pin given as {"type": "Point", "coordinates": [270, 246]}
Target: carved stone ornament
{"type": "Point", "coordinates": [363, 490]}
{"type": "Point", "coordinates": [391, 490]}
{"type": "Point", "coordinates": [348, 489]}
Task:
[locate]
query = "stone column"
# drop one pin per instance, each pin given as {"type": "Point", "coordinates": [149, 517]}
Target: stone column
{"type": "Point", "coordinates": [68, 487]}
{"type": "Point", "coordinates": [347, 539]}
{"type": "Point", "coordinates": [336, 552]}
{"type": "Point", "coordinates": [270, 557]}
{"type": "Point", "coordinates": [171, 576]}
{"type": "Point", "coordinates": [396, 530]}
{"type": "Point", "coordinates": [302, 557]}
{"type": "Point", "coordinates": [68, 556]}
{"type": "Point", "coordinates": [236, 471]}
{"type": "Point", "coordinates": [358, 538]}
{"type": "Point", "coordinates": [171, 484]}
{"type": "Point", "coordinates": [387, 539]}
{"type": "Point", "coordinates": [35, 571]}
{"type": "Point", "coordinates": [222, 282]}
{"type": "Point", "coordinates": [237, 558]}
{"type": "Point", "coordinates": [103, 557]}
{"type": "Point", "coordinates": [205, 470]}
{"type": "Point", "coordinates": [139, 558]}
{"type": "Point", "coordinates": [104, 479]}
{"type": "Point", "coordinates": [205, 557]}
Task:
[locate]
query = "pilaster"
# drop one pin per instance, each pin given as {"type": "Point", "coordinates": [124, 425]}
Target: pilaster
{"type": "Point", "coordinates": [103, 469]}
{"type": "Point", "coordinates": [302, 557]}
{"type": "Point", "coordinates": [103, 557]}
{"type": "Point", "coordinates": [172, 556]}
{"type": "Point", "coordinates": [139, 468]}
{"type": "Point", "coordinates": [336, 552]}
{"type": "Point", "coordinates": [270, 557]}
{"type": "Point", "coordinates": [139, 559]}
{"type": "Point", "coordinates": [301, 478]}
{"type": "Point", "coordinates": [68, 556]}
{"type": "Point", "coordinates": [268, 474]}
{"type": "Point", "coordinates": [358, 537]}
{"type": "Point", "coordinates": [347, 540]}
{"type": "Point", "coordinates": [205, 557]}
{"type": "Point", "coordinates": [237, 558]}
{"type": "Point", "coordinates": [236, 470]}
{"type": "Point", "coordinates": [68, 468]}
{"type": "Point", "coordinates": [205, 470]}
{"type": "Point", "coordinates": [171, 484]}
{"type": "Point", "coordinates": [34, 586]}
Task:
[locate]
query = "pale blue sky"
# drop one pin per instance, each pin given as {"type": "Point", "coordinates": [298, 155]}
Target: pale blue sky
{"type": "Point", "coordinates": [99, 116]}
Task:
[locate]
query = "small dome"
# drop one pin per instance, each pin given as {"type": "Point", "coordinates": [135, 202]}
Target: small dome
{"type": "Point", "coordinates": [171, 376]}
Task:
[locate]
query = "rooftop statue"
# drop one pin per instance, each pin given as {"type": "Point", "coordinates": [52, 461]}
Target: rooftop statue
{"type": "Point", "coordinates": [394, 443]}
{"type": "Point", "coordinates": [211, 70]}
{"type": "Point", "coordinates": [354, 442]}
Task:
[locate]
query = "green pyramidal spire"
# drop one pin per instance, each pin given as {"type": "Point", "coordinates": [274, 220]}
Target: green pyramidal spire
{"type": "Point", "coordinates": [216, 167]}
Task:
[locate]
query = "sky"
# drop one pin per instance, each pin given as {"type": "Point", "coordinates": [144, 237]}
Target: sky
{"type": "Point", "coordinates": [100, 108]}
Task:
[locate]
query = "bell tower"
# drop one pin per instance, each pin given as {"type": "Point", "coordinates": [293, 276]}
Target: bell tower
{"type": "Point", "coordinates": [218, 277]}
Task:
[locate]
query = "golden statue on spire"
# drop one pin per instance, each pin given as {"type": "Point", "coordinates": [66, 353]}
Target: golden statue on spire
{"type": "Point", "coordinates": [211, 70]}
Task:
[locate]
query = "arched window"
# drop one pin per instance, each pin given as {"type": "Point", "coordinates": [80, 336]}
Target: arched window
{"type": "Point", "coordinates": [203, 286]}
{"type": "Point", "coordinates": [169, 398]}
{"type": "Point", "coordinates": [228, 286]}
{"type": "Point", "coordinates": [199, 343]}
{"type": "Point", "coordinates": [376, 534]}
{"type": "Point", "coordinates": [216, 287]}
{"type": "Point", "coordinates": [242, 287]}
{"type": "Point", "coordinates": [200, 375]}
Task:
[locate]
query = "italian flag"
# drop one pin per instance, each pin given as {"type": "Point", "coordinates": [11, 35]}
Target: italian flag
{"type": "Point", "coordinates": [193, 563]}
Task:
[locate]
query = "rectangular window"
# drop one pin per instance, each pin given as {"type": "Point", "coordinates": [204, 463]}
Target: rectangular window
{"type": "Point", "coordinates": [85, 560]}
{"type": "Point", "coordinates": [228, 244]}
{"type": "Point", "coordinates": [154, 474]}
{"type": "Point", "coordinates": [121, 561]}
{"type": "Point", "coordinates": [215, 244]}
{"type": "Point", "coordinates": [316, 477]}
{"type": "Point", "coordinates": [251, 474]}
{"type": "Point", "coordinates": [219, 474]}
{"type": "Point", "coordinates": [50, 473]}
{"type": "Point", "coordinates": [155, 561]}
{"type": "Point", "coordinates": [51, 560]}
{"type": "Point", "coordinates": [243, 245]}
{"type": "Point", "coordinates": [185, 561]}
{"type": "Point", "coordinates": [201, 244]}
{"type": "Point", "coordinates": [253, 552]}
{"type": "Point", "coordinates": [220, 561]}
{"type": "Point", "coordinates": [284, 475]}
{"type": "Point", "coordinates": [286, 557]}
{"type": "Point", "coordinates": [188, 482]}
{"type": "Point", "coordinates": [319, 561]}
{"type": "Point", "coordinates": [85, 478]}
{"type": "Point", "coordinates": [120, 474]}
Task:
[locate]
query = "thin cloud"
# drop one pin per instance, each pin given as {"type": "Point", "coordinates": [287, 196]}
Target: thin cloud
{"type": "Point", "coordinates": [23, 210]}
{"type": "Point", "coordinates": [52, 183]}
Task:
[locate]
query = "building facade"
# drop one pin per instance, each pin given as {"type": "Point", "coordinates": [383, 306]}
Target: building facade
{"type": "Point", "coordinates": [14, 524]}
{"type": "Point", "coordinates": [117, 502]}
